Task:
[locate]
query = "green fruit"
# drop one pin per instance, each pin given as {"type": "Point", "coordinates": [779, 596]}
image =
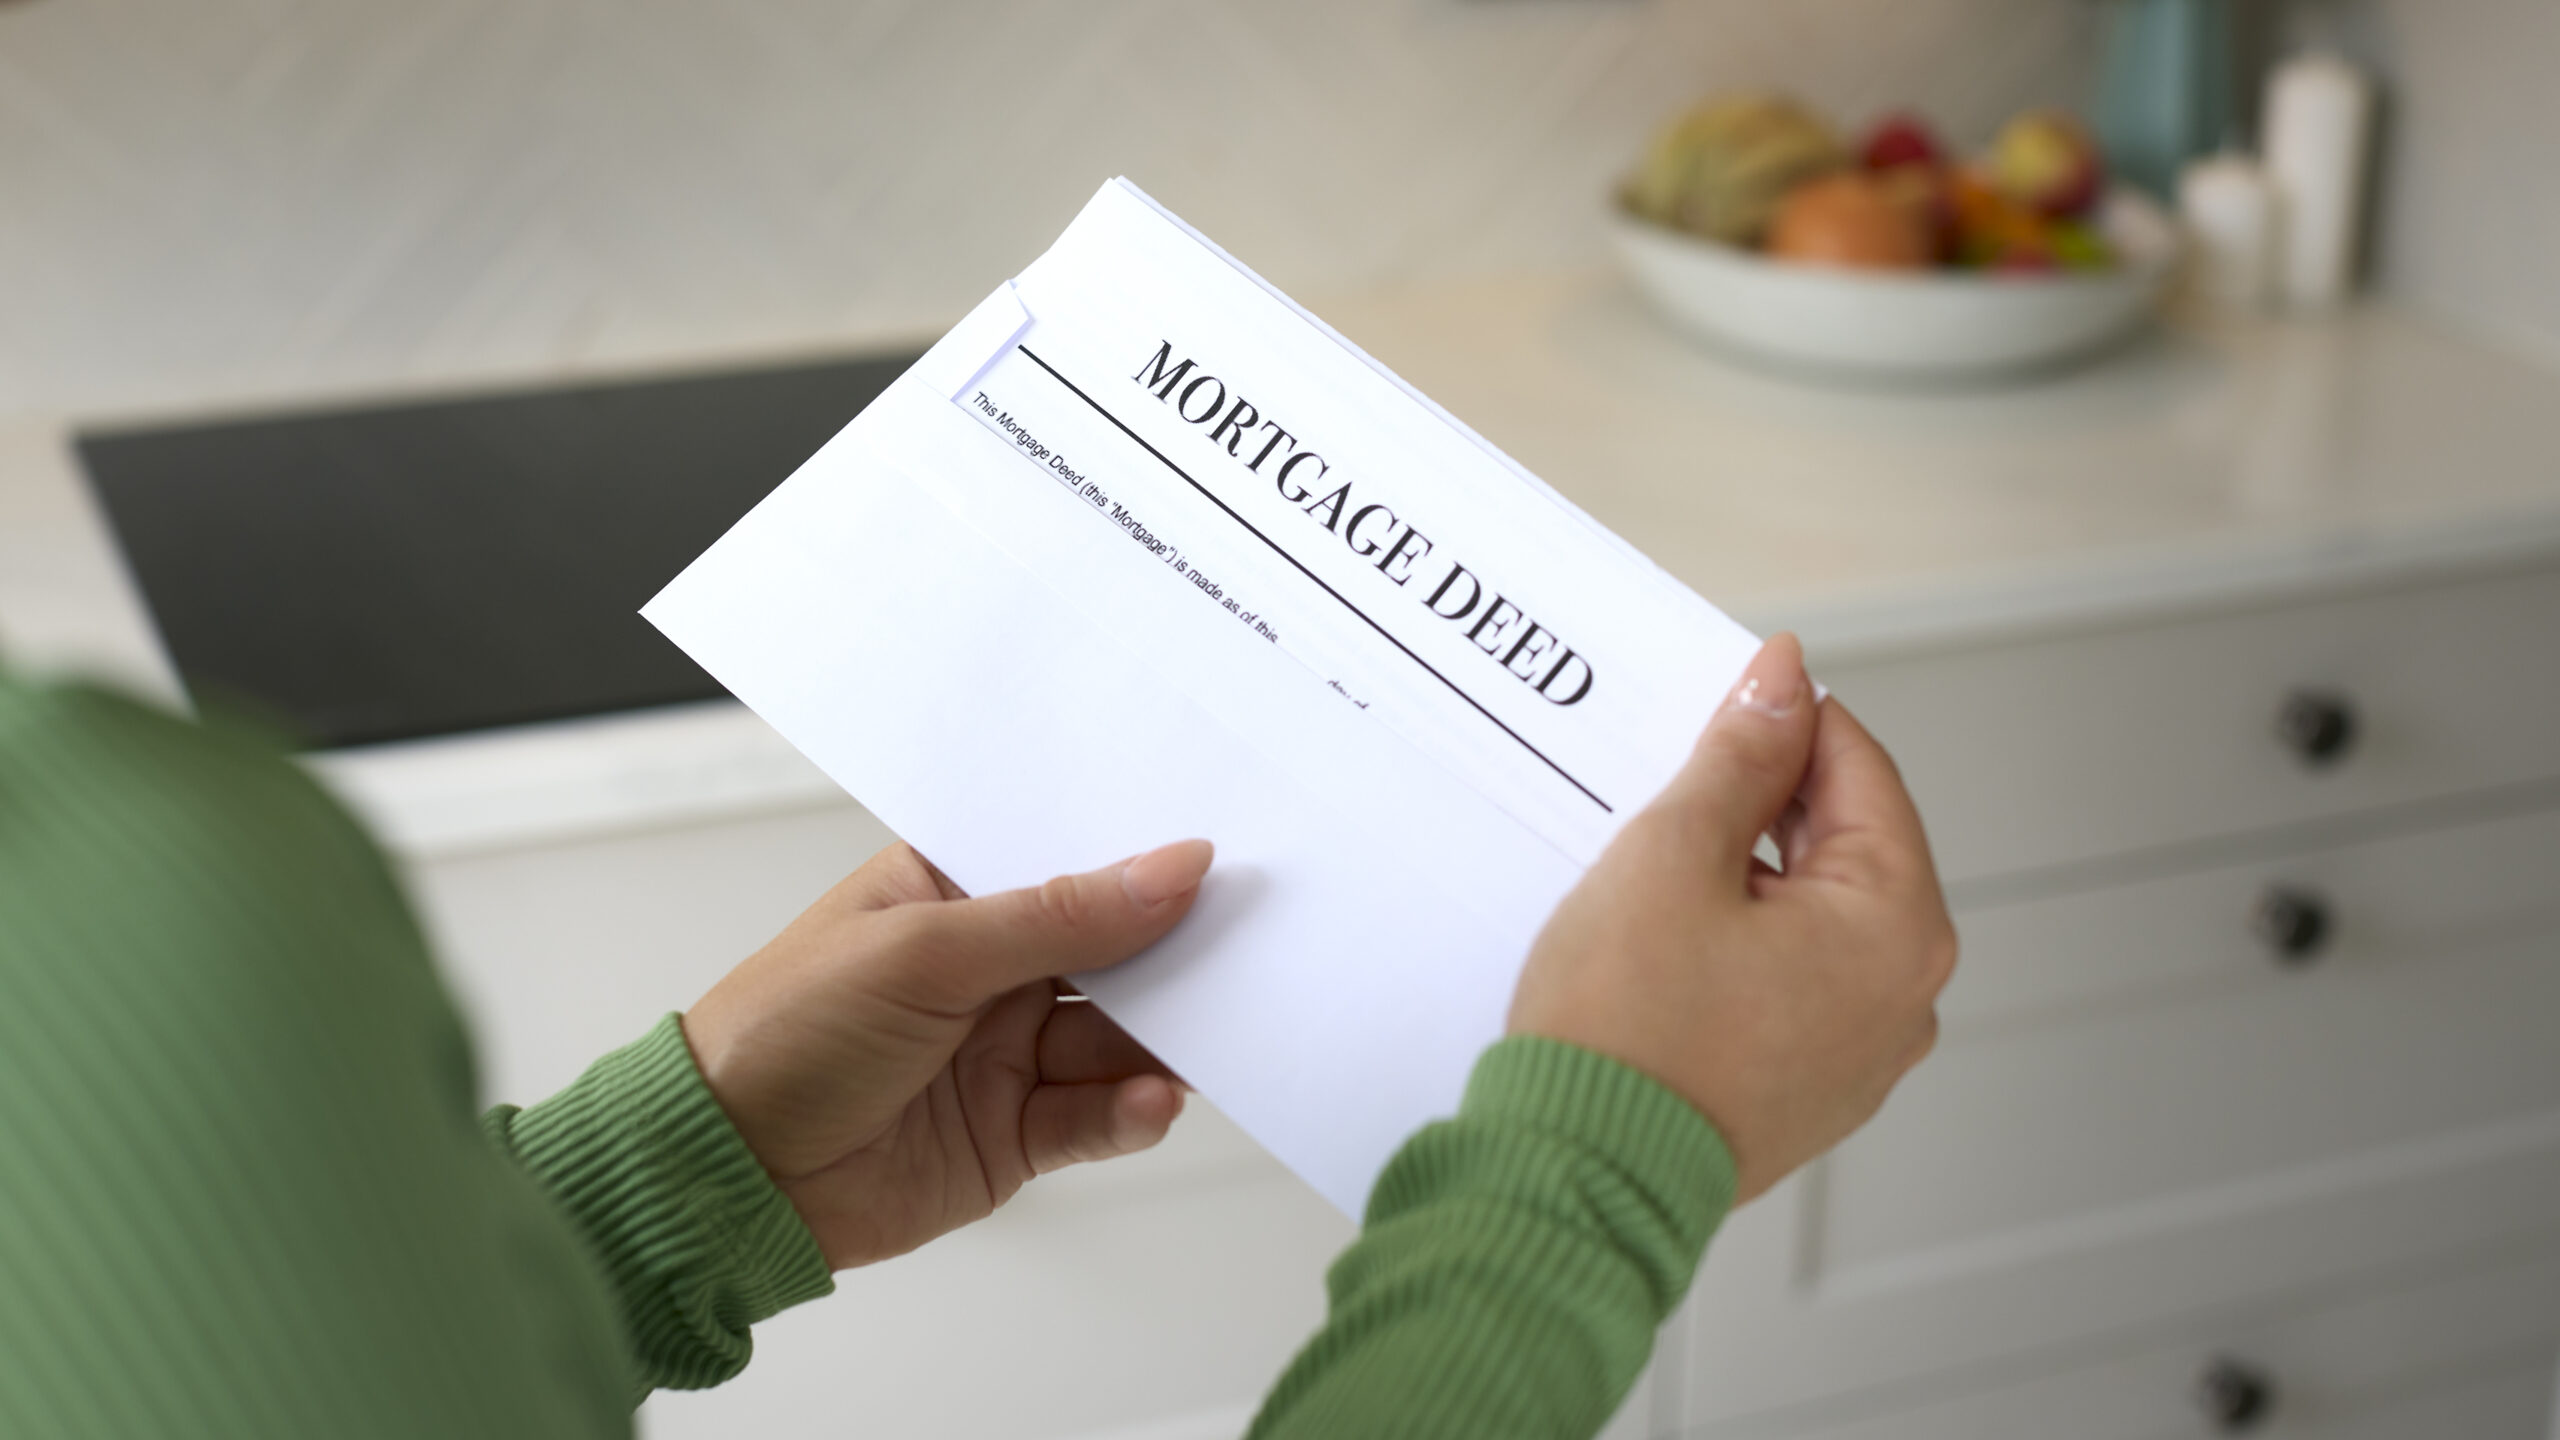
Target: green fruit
{"type": "Point", "coordinates": [2081, 247]}
{"type": "Point", "coordinates": [1720, 169]}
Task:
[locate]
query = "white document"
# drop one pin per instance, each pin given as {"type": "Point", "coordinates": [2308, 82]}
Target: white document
{"type": "Point", "coordinates": [1142, 551]}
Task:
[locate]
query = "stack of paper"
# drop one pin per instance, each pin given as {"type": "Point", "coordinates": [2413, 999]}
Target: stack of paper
{"type": "Point", "coordinates": [1141, 551]}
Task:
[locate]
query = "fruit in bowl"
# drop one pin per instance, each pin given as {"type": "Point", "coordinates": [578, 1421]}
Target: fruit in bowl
{"type": "Point", "coordinates": [2046, 161]}
{"type": "Point", "coordinates": [1750, 225]}
{"type": "Point", "coordinates": [1720, 168]}
{"type": "Point", "coordinates": [1766, 173]}
{"type": "Point", "coordinates": [1995, 231]}
{"type": "Point", "coordinates": [1908, 158]}
{"type": "Point", "coordinates": [1899, 140]}
{"type": "Point", "coordinates": [1856, 219]}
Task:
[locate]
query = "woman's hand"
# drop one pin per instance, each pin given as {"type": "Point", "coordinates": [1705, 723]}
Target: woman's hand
{"type": "Point", "coordinates": [1783, 1003]}
{"type": "Point", "coordinates": [901, 1059]}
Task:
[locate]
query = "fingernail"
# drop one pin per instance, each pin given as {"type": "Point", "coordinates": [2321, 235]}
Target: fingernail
{"type": "Point", "coordinates": [1774, 681]}
{"type": "Point", "coordinates": [1167, 872]}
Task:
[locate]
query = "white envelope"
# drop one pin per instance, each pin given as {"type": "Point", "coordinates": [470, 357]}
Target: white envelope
{"type": "Point", "coordinates": [1140, 551]}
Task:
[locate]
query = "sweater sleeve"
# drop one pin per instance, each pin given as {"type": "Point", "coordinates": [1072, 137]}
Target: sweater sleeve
{"type": "Point", "coordinates": [696, 1240]}
{"type": "Point", "coordinates": [1515, 1261]}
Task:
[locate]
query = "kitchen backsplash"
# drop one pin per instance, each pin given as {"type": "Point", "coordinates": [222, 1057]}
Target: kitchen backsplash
{"type": "Point", "coordinates": [204, 202]}
{"type": "Point", "coordinates": [211, 202]}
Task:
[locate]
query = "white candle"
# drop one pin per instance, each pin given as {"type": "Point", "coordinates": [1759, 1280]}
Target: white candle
{"type": "Point", "coordinates": [2318, 115]}
{"type": "Point", "coordinates": [2230, 208]}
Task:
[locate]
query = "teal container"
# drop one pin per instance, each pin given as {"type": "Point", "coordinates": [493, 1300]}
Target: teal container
{"type": "Point", "coordinates": [2164, 88]}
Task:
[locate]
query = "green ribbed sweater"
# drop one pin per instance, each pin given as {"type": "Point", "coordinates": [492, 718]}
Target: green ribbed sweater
{"type": "Point", "coordinates": [243, 1191]}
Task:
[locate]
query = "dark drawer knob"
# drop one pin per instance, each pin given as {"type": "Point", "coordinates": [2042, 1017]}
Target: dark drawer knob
{"type": "Point", "coordinates": [2235, 1396]}
{"type": "Point", "coordinates": [2318, 726]}
{"type": "Point", "coordinates": [2292, 922]}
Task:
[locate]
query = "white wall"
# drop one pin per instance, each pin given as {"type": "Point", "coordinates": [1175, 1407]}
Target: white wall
{"type": "Point", "coordinates": [204, 201]}
{"type": "Point", "coordinates": [209, 200]}
{"type": "Point", "coordinates": [2469, 215]}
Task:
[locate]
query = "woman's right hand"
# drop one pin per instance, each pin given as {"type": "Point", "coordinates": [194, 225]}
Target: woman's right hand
{"type": "Point", "coordinates": [900, 1060]}
{"type": "Point", "coordinates": [1783, 1003]}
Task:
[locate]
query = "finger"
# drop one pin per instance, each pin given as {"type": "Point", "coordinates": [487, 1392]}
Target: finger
{"type": "Point", "coordinates": [895, 876]}
{"type": "Point", "coordinates": [1080, 1045]}
{"type": "Point", "coordinates": [995, 1073]}
{"type": "Point", "coordinates": [1788, 833]}
{"type": "Point", "coordinates": [1924, 1040]}
{"type": "Point", "coordinates": [1854, 794]}
{"type": "Point", "coordinates": [1071, 1124]}
{"type": "Point", "coordinates": [967, 952]}
{"type": "Point", "coordinates": [1765, 878]}
{"type": "Point", "coordinates": [1748, 763]}
{"type": "Point", "coordinates": [1006, 1038]}
{"type": "Point", "coordinates": [943, 888]}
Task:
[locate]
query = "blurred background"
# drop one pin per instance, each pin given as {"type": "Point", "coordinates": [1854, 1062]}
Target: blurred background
{"type": "Point", "coordinates": [234, 200]}
{"type": "Point", "coordinates": [2221, 657]}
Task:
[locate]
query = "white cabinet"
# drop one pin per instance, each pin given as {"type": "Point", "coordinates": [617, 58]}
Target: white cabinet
{"type": "Point", "coordinates": [2078, 747]}
{"type": "Point", "coordinates": [2232, 1023]}
{"type": "Point", "coordinates": [2411, 1355]}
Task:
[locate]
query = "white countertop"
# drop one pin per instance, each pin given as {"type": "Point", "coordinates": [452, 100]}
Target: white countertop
{"type": "Point", "coordinates": [2212, 459]}
{"type": "Point", "coordinates": [2208, 455]}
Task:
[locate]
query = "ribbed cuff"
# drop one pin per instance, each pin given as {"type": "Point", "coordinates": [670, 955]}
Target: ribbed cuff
{"type": "Point", "coordinates": [700, 1242]}
{"type": "Point", "coordinates": [1516, 1260]}
{"type": "Point", "coordinates": [1628, 1120]}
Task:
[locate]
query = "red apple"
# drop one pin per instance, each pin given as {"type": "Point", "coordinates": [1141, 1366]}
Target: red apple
{"type": "Point", "coordinates": [1902, 139]}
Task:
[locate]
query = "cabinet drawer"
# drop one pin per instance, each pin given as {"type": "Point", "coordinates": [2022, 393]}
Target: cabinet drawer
{"type": "Point", "coordinates": [2470, 1353]}
{"type": "Point", "coordinates": [2135, 1115]}
{"type": "Point", "coordinates": [2275, 925]}
{"type": "Point", "coordinates": [2054, 751]}
{"type": "Point", "coordinates": [2180, 1070]}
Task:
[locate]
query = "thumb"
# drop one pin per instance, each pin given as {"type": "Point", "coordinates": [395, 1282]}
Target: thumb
{"type": "Point", "coordinates": [975, 950]}
{"type": "Point", "coordinates": [1750, 761]}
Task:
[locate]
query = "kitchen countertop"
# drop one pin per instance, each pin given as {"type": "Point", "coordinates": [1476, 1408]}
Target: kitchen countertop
{"type": "Point", "coordinates": [2212, 459]}
{"type": "Point", "coordinates": [2210, 455]}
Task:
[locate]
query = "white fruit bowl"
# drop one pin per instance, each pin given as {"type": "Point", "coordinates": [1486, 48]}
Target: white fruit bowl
{"type": "Point", "coordinates": [1900, 325]}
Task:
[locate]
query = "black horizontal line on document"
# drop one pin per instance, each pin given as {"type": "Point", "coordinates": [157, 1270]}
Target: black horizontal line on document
{"type": "Point", "coordinates": [1279, 550]}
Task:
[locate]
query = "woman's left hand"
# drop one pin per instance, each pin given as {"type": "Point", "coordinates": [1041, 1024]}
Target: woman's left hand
{"type": "Point", "coordinates": [901, 1058]}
